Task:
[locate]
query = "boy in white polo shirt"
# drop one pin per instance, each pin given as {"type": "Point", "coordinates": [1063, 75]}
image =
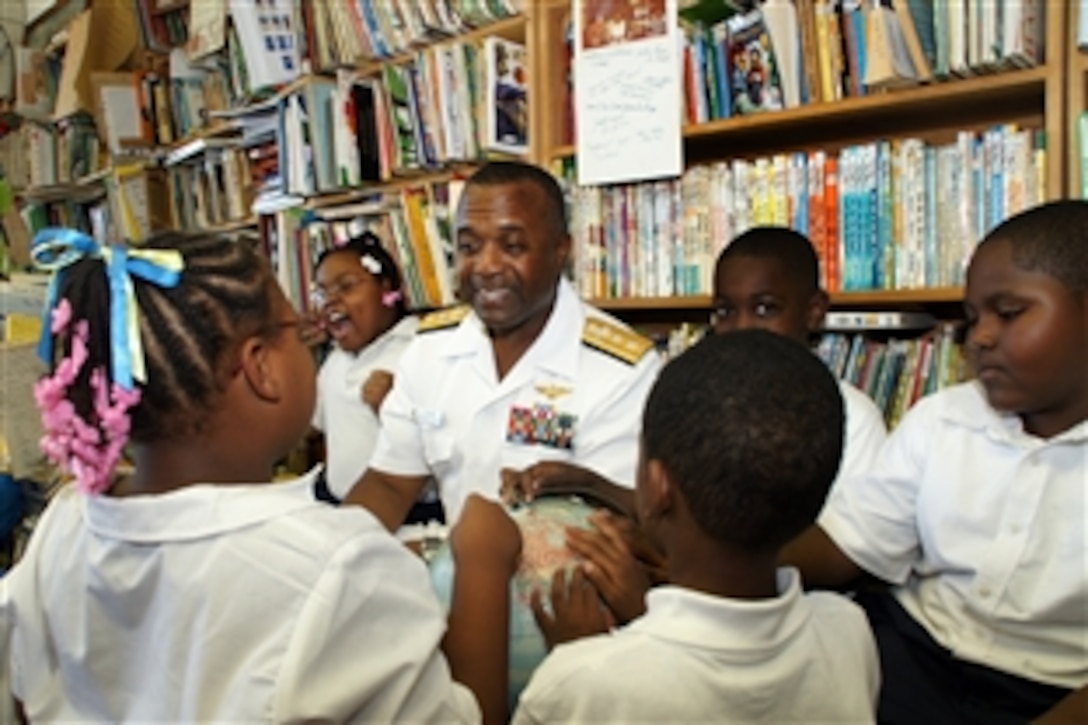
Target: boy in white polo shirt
{"type": "Point", "coordinates": [742, 436]}
{"type": "Point", "coordinates": [975, 511]}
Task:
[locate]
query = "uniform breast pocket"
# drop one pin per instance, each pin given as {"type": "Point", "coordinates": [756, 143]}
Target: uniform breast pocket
{"type": "Point", "coordinates": [438, 450]}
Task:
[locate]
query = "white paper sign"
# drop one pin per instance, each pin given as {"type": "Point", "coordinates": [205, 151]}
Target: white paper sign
{"type": "Point", "coordinates": [627, 90]}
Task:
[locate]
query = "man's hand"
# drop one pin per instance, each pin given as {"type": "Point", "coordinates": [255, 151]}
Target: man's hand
{"type": "Point", "coordinates": [525, 485]}
{"type": "Point", "coordinates": [376, 387]}
{"type": "Point", "coordinates": [619, 559]}
{"type": "Point", "coordinates": [576, 609]}
{"type": "Point", "coordinates": [559, 476]}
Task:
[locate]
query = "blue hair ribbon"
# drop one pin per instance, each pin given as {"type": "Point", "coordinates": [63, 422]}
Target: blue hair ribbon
{"type": "Point", "coordinates": [54, 249]}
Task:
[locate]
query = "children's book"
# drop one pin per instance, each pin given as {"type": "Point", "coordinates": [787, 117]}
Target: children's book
{"type": "Point", "coordinates": [753, 72]}
{"type": "Point", "coordinates": [507, 96]}
{"type": "Point", "coordinates": [405, 151]}
{"type": "Point", "coordinates": [267, 34]}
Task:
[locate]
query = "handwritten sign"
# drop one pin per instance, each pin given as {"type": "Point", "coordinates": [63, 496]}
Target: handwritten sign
{"type": "Point", "coordinates": [627, 90]}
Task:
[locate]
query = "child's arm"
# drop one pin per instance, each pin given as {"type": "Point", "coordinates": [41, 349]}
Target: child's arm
{"type": "Point", "coordinates": [387, 496]}
{"type": "Point", "coordinates": [821, 563]}
{"type": "Point", "coordinates": [1071, 709]}
{"type": "Point", "coordinates": [485, 545]}
{"type": "Point", "coordinates": [553, 476]}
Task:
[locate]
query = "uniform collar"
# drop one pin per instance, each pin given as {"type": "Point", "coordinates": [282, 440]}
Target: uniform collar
{"type": "Point", "coordinates": [555, 349]}
{"type": "Point", "coordinates": [972, 411]}
{"type": "Point", "coordinates": [196, 511]}
{"type": "Point", "coordinates": [701, 620]}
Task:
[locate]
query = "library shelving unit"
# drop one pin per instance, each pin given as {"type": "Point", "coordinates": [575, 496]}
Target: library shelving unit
{"type": "Point", "coordinates": [934, 112]}
{"type": "Point", "coordinates": [1077, 101]}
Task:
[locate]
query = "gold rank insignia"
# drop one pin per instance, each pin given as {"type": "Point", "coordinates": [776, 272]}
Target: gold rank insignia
{"type": "Point", "coordinates": [443, 319]}
{"type": "Point", "coordinates": [616, 340]}
{"type": "Point", "coordinates": [552, 391]}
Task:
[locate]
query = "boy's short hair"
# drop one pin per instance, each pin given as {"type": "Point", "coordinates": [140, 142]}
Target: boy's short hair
{"type": "Point", "coordinates": [1052, 239]}
{"type": "Point", "coordinates": [791, 249]}
{"type": "Point", "coordinates": [749, 426]}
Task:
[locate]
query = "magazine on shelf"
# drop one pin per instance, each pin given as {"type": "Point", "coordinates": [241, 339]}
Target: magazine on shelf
{"type": "Point", "coordinates": [507, 96]}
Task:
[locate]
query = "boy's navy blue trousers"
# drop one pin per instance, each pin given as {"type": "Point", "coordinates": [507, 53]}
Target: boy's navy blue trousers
{"type": "Point", "coordinates": [922, 682]}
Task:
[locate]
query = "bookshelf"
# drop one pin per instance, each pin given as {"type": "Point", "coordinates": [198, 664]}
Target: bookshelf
{"type": "Point", "coordinates": [1030, 98]}
{"type": "Point", "coordinates": [1077, 89]}
{"type": "Point", "coordinates": [893, 335]}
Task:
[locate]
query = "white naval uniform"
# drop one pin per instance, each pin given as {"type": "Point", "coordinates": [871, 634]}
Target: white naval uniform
{"type": "Point", "coordinates": [449, 415]}
{"type": "Point", "coordinates": [230, 603]}
{"type": "Point", "coordinates": [982, 526]}
{"type": "Point", "coordinates": [350, 425]}
{"type": "Point", "coordinates": [694, 657]}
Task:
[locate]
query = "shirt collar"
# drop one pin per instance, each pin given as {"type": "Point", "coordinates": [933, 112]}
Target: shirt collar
{"type": "Point", "coordinates": [555, 349]}
{"type": "Point", "coordinates": [696, 619]}
{"type": "Point", "coordinates": [196, 511]}
{"type": "Point", "coordinates": [973, 412]}
{"type": "Point", "coordinates": [404, 329]}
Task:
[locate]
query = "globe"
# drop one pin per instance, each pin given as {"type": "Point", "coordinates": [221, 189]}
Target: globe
{"type": "Point", "coordinates": [543, 551]}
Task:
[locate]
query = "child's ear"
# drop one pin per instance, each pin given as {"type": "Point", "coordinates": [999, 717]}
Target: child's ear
{"type": "Point", "coordinates": [817, 309]}
{"type": "Point", "coordinates": [658, 494]}
{"type": "Point", "coordinates": [256, 363]}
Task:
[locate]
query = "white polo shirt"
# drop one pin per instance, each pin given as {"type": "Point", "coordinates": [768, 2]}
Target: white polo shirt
{"type": "Point", "coordinates": [865, 434]}
{"type": "Point", "coordinates": [576, 395]}
{"type": "Point", "coordinates": [350, 425]}
{"type": "Point", "coordinates": [699, 658]}
{"type": "Point", "coordinates": [984, 528]}
{"type": "Point", "coordinates": [229, 603]}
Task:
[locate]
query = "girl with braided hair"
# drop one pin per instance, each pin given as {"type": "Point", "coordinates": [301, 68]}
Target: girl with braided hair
{"type": "Point", "coordinates": [192, 589]}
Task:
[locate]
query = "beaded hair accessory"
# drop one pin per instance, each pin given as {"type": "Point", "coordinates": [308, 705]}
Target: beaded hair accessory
{"type": "Point", "coordinates": [89, 449]}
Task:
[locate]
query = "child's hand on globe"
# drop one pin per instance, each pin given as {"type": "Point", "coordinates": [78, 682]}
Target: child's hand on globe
{"type": "Point", "coordinates": [612, 564]}
{"type": "Point", "coordinates": [576, 609]}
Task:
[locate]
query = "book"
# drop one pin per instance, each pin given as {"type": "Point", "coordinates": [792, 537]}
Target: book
{"type": "Point", "coordinates": [266, 30]}
{"type": "Point", "coordinates": [507, 96]}
{"type": "Point", "coordinates": [753, 71]}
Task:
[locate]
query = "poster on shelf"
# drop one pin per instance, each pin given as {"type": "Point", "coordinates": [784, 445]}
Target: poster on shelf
{"type": "Point", "coordinates": [628, 101]}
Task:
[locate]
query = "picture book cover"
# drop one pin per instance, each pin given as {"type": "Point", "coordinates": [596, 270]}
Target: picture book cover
{"type": "Point", "coordinates": [753, 72]}
{"type": "Point", "coordinates": [507, 96]}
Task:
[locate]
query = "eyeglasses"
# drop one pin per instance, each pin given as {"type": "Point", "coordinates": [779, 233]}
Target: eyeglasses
{"type": "Point", "coordinates": [322, 295]}
{"type": "Point", "coordinates": [300, 326]}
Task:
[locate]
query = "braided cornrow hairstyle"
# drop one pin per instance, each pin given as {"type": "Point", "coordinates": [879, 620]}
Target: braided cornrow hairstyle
{"type": "Point", "coordinates": [189, 331]}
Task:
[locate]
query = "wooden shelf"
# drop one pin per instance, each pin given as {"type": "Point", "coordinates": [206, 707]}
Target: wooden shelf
{"type": "Point", "coordinates": [169, 6]}
{"type": "Point", "coordinates": [955, 104]}
{"type": "Point", "coordinates": [234, 225]}
{"type": "Point", "coordinates": [512, 28]}
{"type": "Point", "coordinates": [392, 186]}
{"type": "Point", "coordinates": [938, 295]}
{"type": "Point", "coordinates": [82, 190]}
{"type": "Point", "coordinates": [892, 298]}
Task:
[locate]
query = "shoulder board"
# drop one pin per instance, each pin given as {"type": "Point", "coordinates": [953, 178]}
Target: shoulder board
{"type": "Point", "coordinates": [612, 339]}
{"type": "Point", "coordinates": [442, 319]}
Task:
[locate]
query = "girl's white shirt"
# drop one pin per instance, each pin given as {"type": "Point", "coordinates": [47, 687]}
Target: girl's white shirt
{"type": "Point", "coordinates": [350, 425]}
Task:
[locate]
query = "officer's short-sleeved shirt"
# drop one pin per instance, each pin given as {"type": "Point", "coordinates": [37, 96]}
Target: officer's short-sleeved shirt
{"type": "Point", "coordinates": [576, 395]}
